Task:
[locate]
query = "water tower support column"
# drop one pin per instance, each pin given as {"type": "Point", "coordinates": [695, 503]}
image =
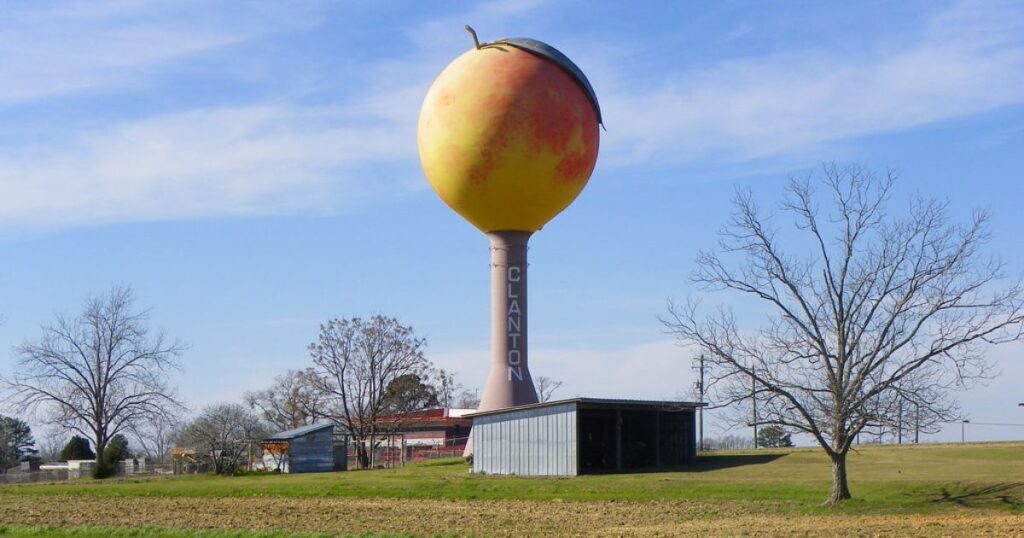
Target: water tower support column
{"type": "Point", "coordinates": [509, 382]}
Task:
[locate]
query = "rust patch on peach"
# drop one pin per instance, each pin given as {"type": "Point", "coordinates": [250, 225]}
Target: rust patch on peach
{"type": "Point", "coordinates": [577, 166]}
{"type": "Point", "coordinates": [482, 167]}
{"type": "Point", "coordinates": [554, 117]}
{"type": "Point", "coordinates": [446, 99]}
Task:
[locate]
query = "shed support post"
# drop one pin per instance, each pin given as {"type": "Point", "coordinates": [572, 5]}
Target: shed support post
{"type": "Point", "coordinates": [618, 440]}
{"type": "Point", "coordinates": [691, 446]}
{"type": "Point", "coordinates": [657, 438]}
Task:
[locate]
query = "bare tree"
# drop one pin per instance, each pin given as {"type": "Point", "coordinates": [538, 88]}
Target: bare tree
{"type": "Point", "coordinates": [224, 435]}
{"type": "Point", "coordinates": [451, 393]}
{"type": "Point", "coordinates": [99, 373]}
{"type": "Point", "coordinates": [446, 387]}
{"type": "Point", "coordinates": [291, 401]}
{"type": "Point", "coordinates": [728, 442]}
{"type": "Point", "coordinates": [468, 399]}
{"type": "Point", "coordinates": [870, 311]}
{"type": "Point", "coordinates": [355, 361]}
{"type": "Point", "coordinates": [156, 437]}
{"type": "Point", "coordinates": [51, 442]}
{"type": "Point", "coordinates": [546, 387]}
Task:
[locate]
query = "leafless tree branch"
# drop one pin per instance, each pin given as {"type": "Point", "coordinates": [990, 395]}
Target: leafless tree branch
{"type": "Point", "coordinates": [355, 361]}
{"type": "Point", "coordinates": [873, 313]}
{"type": "Point", "coordinates": [100, 373]}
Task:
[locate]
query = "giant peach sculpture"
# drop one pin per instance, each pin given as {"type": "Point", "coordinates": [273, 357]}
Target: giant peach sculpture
{"type": "Point", "coordinates": [508, 137]}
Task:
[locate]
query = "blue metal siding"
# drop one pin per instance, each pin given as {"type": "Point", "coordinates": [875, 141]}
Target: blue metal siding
{"type": "Point", "coordinates": [312, 453]}
{"type": "Point", "coordinates": [529, 442]}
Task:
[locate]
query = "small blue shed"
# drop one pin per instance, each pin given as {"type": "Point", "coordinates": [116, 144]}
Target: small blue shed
{"type": "Point", "coordinates": [309, 449]}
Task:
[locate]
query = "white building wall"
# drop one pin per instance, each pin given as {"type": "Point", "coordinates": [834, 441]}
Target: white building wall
{"type": "Point", "coordinates": [528, 442]}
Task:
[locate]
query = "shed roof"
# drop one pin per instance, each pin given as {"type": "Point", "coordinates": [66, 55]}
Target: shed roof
{"type": "Point", "coordinates": [298, 432]}
{"type": "Point", "coordinates": [596, 402]}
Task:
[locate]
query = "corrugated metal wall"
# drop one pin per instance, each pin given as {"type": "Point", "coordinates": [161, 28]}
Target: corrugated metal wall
{"type": "Point", "coordinates": [530, 442]}
{"type": "Point", "coordinates": [312, 453]}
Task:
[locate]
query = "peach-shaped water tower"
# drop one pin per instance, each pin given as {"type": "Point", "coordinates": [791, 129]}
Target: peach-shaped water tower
{"type": "Point", "coordinates": [508, 137]}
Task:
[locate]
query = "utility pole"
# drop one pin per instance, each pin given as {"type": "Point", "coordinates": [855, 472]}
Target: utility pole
{"type": "Point", "coordinates": [700, 410]}
{"type": "Point", "coordinates": [899, 423]}
{"type": "Point", "coordinates": [963, 430]}
{"type": "Point", "coordinates": [753, 399]}
{"type": "Point", "coordinates": [917, 422]}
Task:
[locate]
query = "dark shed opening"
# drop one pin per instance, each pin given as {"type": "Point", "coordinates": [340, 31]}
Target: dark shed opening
{"type": "Point", "coordinates": [621, 438]}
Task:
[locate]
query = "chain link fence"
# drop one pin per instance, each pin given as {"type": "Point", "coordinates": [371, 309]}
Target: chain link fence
{"type": "Point", "coordinates": [18, 475]}
{"type": "Point", "coordinates": [400, 450]}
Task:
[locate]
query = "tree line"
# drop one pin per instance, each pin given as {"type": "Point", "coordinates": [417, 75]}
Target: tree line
{"type": "Point", "coordinates": [104, 375]}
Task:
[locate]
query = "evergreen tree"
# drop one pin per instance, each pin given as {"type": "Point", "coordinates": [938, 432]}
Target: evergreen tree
{"type": "Point", "coordinates": [117, 450]}
{"type": "Point", "coordinates": [408, 393]}
{"type": "Point", "coordinates": [773, 437]}
{"type": "Point", "coordinates": [77, 449]}
{"type": "Point", "coordinates": [16, 442]}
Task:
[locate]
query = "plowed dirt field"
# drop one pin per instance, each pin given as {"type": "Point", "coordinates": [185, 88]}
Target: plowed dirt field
{"type": "Point", "coordinates": [490, 518]}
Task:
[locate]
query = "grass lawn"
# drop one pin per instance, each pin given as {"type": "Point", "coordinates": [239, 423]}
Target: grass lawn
{"type": "Point", "coordinates": [935, 489]}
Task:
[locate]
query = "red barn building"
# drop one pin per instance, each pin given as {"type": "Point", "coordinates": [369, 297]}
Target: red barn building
{"type": "Point", "coordinates": [429, 433]}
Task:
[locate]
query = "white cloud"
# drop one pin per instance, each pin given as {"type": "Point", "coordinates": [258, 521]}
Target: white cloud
{"type": "Point", "coordinates": [970, 59]}
{"type": "Point", "coordinates": [651, 370]}
{"type": "Point", "coordinates": [265, 157]}
{"type": "Point", "coordinates": [53, 50]}
{"type": "Point", "coordinates": [272, 157]}
{"type": "Point", "coordinates": [202, 163]}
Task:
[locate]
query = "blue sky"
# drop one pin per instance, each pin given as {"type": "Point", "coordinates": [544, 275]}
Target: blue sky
{"type": "Point", "coordinates": [251, 169]}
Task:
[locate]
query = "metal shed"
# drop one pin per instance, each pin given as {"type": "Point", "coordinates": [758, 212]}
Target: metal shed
{"type": "Point", "coordinates": [309, 449]}
{"type": "Point", "coordinates": [584, 435]}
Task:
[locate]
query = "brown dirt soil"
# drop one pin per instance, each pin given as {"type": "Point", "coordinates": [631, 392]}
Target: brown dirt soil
{"type": "Point", "coordinates": [487, 518]}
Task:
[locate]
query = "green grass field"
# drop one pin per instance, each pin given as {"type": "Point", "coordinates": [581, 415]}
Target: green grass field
{"type": "Point", "coordinates": [929, 487]}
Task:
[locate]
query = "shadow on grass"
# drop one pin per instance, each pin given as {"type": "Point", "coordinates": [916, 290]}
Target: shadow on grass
{"type": "Point", "coordinates": [714, 463]}
{"type": "Point", "coordinates": [704, 464]}
{"type": "Point", "coordinates": [1008, 493]}
{"type": "Point", "coordinates": [442, 462]}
